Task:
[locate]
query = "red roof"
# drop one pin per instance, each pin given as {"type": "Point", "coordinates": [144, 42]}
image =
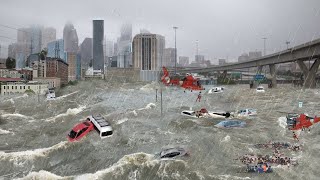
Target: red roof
{"type": "Point", "coordinates": [10, 79]}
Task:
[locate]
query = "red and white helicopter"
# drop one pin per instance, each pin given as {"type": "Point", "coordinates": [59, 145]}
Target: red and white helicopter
{"type": "Point", "coordinates": [303, 121]}
{"type": "Point", "coordinates": [188, 82]}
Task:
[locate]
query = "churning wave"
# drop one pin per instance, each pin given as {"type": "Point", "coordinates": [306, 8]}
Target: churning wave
{"type": "Point", "coordinates": [70, 111]}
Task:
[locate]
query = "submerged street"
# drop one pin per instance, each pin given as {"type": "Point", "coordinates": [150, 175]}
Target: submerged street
{"type": "Point", "coordinates": [34, 144]}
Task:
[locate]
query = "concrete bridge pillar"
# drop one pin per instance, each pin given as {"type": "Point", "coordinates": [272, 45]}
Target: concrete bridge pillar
{"type": "Point", "coordinates": [309, 74]}
{"type": "Point", "coordinates": [273, 75]}
{"type": "Point", "coordinates": [256, 83]}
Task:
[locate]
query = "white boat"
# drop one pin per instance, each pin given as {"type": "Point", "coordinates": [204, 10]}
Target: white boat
{"type": "Point", "coordinates": [210, 114]}
{"type": "Point", "coordinates": [51, 95]}
{"type": "Point", "coordinates": [245, 112]}
{"type": "Point", "coordinates": [216, 90]}
{"type": "Point", "coordinates": [260, 89]}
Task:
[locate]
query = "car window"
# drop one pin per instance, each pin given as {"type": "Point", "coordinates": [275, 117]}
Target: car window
{"type": "Point", "coordinates": [86, 123]}
{"type": "Point", "coordinates": [72, 134]}
{"type": "Point", "coordinates": [81, 131]}
{"type": "Point", "coordinates": [170, 155]}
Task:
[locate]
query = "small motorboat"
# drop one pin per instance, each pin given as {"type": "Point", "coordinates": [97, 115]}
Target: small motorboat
{"type": "Point", "coordinates": [216, 90]}
{"type": "Point", "coordinates": [260, 89]}
{"type": "Point", "coordinates": [208, 114]}
{"type": "Point", "coordinates": [80, 130]}
{"type": "Point", "coordinates": [230, 124]}
{"type": "Point", "coordinates": [246, 112]}
{"type": "Point", "coordinates": [173, 152]}
{"type": "Point", "coordinates": [51, 95]}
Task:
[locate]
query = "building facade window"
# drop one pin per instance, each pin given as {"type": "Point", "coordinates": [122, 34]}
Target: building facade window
{"type": "Point", "coordinates": [4, 87]}
{"type": "Point", "coordinates": [28, 87]}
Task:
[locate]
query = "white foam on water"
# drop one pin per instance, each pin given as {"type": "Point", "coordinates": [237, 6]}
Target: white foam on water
{"type": "Point", "coordinates": [148, 106]}
{"type": "Point", "coordinates": [14, 115]}
{"type": "Point", "coordinates": [70, 111]}
{"type": "Point", "coordinates": [42, 174]}
{"type": "Point", "coordinates": [122, 120]}
{"type": "Point", "coordinates": [4, 131]}
{"type": "Point", "coordinates": [61, 97]}
{"type": "Point", "coordinates": [30, 154]}
{"type": "Point", "coordinates": [225, 139]}
{"type": "Point", "coordinates": [282, 122]}
{"type": "Point", "coordinates": [139, 159]}
{"type": "Point", "coordinates": [228, 176]}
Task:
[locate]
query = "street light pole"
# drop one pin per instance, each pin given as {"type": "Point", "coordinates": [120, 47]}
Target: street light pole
{"type": "Point", "coordinates": [287, 42]}
{"type": "Point", "coordinates": [264, 45]}
{"type": "Point", "coordinates": [175, 49]}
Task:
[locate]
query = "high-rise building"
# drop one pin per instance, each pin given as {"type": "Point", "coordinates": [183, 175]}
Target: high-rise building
{"type": "Point", "coordinates": [148, 51]}
{"type": "Point", "coordinates": [98, 58]}
{"type": "Point", "coordinates": [243, 58]}
{"type": "Point", "coordinates": [86, 52]}
{"type": "Point", "coordinates": [124, 46]}
{"type": "Point", "coordinates": [183, 61]}
{"type": "Point", "coordinates": [57, 68]}
{"type": "Point", "coordinates": [56, 49]}
{"type": "Point", "coordinates": [78, 66]}
{"type": "Point", "coordinates": [36, 39]}
{"type": "Point", "coordinates": [48, 35]}
{"type": "Point", "coordinates": [255, 54]}
{"type": "Point", "coordinates": [72, 68]}
{"type": "Point", "coordinates": [109, 48]}
{"type": "Point", "coordinates": [169, 57]}
{"type": "Point", "coordinates": [222, 62]}
{"type": "Point", "coordinates": [70, 38]}
{"type": "Point", "coordinates": [199, 59]}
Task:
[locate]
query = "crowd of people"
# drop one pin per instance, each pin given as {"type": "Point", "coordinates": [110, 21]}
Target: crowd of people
{"type": "Point", "coordinates": [276, 158]}
{"type": "Point", "coordinates": [278, 146]}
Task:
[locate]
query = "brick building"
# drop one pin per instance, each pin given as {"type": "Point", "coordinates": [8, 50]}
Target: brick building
{"type": "Point", "coordinates": [56, 67]}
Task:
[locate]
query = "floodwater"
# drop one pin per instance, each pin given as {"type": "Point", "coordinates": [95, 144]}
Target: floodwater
{"type": "Point", "coordinates": [33, 143]}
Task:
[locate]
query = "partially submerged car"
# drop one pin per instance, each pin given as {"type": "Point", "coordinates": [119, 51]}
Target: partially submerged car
{"type": "Point", "coordinates": [80, 130]}
{"type": "Point", "coordinates": [173, 152]}
{"type": "Point", "coordinates": [291, 119]}
{"type": "Point", "coordinates": [230, 124]}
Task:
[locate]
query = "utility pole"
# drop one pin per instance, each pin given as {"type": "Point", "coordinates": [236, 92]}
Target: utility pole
{"type": "Point", "coordinates": [264, 45]}
{"type": "Point", "coordinates": [175, 49]}
{"type": "Point", "coordinates": [287, 42]}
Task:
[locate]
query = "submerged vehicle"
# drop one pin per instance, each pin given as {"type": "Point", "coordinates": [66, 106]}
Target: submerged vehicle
{"type": "Point", "coordinates": [260, 89]}
{"type": "Point", "coordinates": [246, 112]}
{"type": "Point", "coordinates": [173, 152]}
{"type": "Point", "coordinates": [51, 95]}
{"type": "Point", "coordinates": [80, 130]}
{"type": "Point", "coordinates": [101, 125]}
{"type": "Point", "coordinates": [230, 124]}
{"type": "Point", "coordinates": [203, 113]}
{"type": "Point", "coordinates": [216, 90]}
{"type": "Point", "coordinates": [259, 168]}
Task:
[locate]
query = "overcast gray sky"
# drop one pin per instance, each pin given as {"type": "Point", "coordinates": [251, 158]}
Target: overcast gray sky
{"type": "Point", "coordinates": [224, 28]}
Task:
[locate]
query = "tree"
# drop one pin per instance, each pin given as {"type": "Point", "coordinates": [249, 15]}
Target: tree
{"type": "Point", "coordinates": [10, 63]}
{"type": "Point", "coordinates": [43, 54]}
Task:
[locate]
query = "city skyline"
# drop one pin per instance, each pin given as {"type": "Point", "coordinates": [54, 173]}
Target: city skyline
{"type": "Point", "coordinates": [220, 34]}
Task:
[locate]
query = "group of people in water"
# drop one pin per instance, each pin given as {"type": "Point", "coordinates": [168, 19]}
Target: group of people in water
{"type": "Point", "coordinates": [276, 158]}
{"type": "Point", "coordinates": [279, 145]}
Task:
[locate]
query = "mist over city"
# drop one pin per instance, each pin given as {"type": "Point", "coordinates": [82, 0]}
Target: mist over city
{"type": "Point", "coordinates": [146, 89]}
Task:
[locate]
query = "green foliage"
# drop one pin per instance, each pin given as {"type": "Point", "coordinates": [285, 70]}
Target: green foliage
{"type": "Point", "coordinates": [43, 54]}
{"type": "Point", "coordinates": [30, 91]}
{"type": "Point", "coordinates": [70, 83]}
{"type": "Point", "coordinates": [10, 63]}
{"type": "Point", "coordinates": [225, 81]}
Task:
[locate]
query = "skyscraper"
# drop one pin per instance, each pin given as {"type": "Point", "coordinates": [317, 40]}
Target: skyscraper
{"type": "Point", "coordinates": [70, 38]}
{"type": "Point", "coordinates": [124, 46]}
{"type": "Point", "coordinates": [148, 50]}
{"type": "Point", "coordinates": [169, 57]}
{"type": "Point", "coordinates": [48, 35]}
{"type": "Point", "coordinates": [56, 49]}
{"type": "Point", "coordinates": [98, 31]}
{"type": "Point", "coordinates": [36, 38]}
{"type": "Point", "coordinates": [109, 49]}
{"type": "Point", "coordinates": [86, 52]}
